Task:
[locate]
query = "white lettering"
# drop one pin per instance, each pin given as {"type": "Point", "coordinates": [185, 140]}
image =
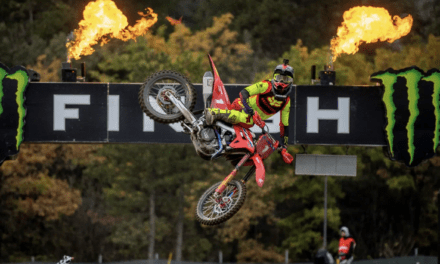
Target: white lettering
{"type": "Point", "coordinates": [113, 113]}
{"type": "Point", "coordinates": [148, 124]}
{"type": "Point", "coordinates": [176, 127]}
{"type": "Point", "coordinates": [61, 113]}
{"type": "Point", "coordinates": [342, 115]}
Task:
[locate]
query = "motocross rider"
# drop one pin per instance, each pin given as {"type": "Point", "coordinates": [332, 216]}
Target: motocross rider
{"type": "Point", "coordinates": [265, 98]}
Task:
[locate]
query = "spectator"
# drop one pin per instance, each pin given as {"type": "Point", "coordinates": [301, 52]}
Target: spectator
{"type": "Point", "coordinates": [346, 247]}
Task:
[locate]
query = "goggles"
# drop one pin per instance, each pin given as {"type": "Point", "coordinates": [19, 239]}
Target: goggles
{"type": "Point", "coordinates": [283, 78]}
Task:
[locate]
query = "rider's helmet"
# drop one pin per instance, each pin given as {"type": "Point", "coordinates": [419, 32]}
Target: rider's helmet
{"type": "Point", "coordinates": [345, 230]}
{"type": "Point", "coordinates": [283, 78]}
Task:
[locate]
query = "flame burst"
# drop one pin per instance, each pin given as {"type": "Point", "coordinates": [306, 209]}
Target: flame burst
{"type": "Point", "coordinates": [368, 24]}
{"type": "Point", "coordinates": [102, 21]}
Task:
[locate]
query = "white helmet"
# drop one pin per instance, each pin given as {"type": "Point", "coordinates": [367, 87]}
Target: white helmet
{"type": "Point", "coordinates": [345, 230]}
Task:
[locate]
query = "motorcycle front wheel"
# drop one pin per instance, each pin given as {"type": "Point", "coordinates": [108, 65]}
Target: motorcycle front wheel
{"type": "Point", "coordinates": [155, 104]}
{"type": "Point", "coordinates": [212, 211]}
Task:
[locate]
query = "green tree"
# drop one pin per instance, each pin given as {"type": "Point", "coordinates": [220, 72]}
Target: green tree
{"type": "Point", "coordinates": [147, 190]}
{"type": "Point", "coordinates": [27, 28]}
{"type": "Point", "coordinates": [424, 55]}
{"type": "Point", "coordinates": [300, 206]}
{"type": "Point", "coordinates": [131, 176]}
{"type": "Point", "coordinates": [389, 207]}
{"type": "Point", "coordinates": [183, 51]}
{"type": "Point", "coordinates": [276, 25]}
{"type": "Point", "coordinates": [350, 69]}
{"type": "Point", "coordinates": [37, 194]}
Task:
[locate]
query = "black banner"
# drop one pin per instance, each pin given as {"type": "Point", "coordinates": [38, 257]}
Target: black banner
{"type": "Point", "coordinates": [128, 124]}
{"type": "Point", "coordinates": [110, 113]}
{"type": "Point", "coordinates": [98, 112]}
{"type": "Point", "coordinates": [340, 115]}
{"type": "Point", "coordinates": [66, 112]}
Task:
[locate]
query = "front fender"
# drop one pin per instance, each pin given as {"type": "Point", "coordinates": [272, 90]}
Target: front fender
{"type": "Point", "coordinates": [260, 172]}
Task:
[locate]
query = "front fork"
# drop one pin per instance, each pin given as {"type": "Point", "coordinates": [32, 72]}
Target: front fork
{"type": "Point", "coordinates": [231, 175]}
{"type": "Point", "coordinates": [188, 115]}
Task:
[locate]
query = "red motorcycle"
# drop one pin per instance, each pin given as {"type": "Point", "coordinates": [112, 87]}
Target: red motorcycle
{"type": "Point", "coordinates": [169, 97]}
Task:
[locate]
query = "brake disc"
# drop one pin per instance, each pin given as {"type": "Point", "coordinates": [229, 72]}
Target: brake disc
{"type": "Point", "coordinates": [163, 101]}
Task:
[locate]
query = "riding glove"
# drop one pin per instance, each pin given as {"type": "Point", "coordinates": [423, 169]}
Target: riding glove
{"type": "Point", "coordinates": [244, 95]}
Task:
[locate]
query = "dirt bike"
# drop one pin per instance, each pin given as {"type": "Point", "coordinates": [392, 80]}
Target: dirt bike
{"type": "Point", "coordinates": [169, 97]}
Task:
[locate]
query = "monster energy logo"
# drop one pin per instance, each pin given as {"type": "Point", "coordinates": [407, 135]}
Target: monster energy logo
{"type": "Point", "coordinates": [12, 109]}
{"type": "Point", "coordinates": [411, 98]}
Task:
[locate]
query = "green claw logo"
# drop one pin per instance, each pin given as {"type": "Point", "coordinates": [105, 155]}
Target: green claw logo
{"type": "Point", "coordinates": [411, 99]}
{"type": "Point", "coordinates": [13, 84]}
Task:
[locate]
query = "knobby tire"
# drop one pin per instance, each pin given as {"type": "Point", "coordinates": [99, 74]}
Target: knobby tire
{"type": "Point", "coordinates": [233, 210]}
{"type": "Point", "coordinates": [180, 78]}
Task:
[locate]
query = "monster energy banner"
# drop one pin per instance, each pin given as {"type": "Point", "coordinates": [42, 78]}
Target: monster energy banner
{"type": "Point", "coordinates": [13, 83]}
{"type": "Point", "coordinates": [411, 98]}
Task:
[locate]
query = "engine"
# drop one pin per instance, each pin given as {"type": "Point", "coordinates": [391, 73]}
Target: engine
{"type": "Point", "coordinates": [208, 135]}
{"type": "Point", "coordinates": [206, 142]}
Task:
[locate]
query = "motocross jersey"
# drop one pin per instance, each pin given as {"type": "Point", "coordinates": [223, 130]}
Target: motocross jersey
{"type": "Point", "coordinates": [262, 100]}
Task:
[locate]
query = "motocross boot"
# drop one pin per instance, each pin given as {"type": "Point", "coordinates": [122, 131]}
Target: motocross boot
{"type": "Point", "coordinates": [214, 114]}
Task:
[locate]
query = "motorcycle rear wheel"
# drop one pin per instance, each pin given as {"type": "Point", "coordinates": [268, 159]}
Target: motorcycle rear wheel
{"type": "Point", "coordinates": [210, 212]}
{"type": "Point", "coordinates": [156, 105]}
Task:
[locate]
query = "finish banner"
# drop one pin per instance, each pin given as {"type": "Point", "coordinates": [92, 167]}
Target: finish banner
{"type": "Point", "coordinates": [339, 115]}
{"type": "Point", "coordinates": [110, 113]}
{"type": "Point", "coordinates": [402, 112]}
{"type": "Point", "coordinates": [99, 112]}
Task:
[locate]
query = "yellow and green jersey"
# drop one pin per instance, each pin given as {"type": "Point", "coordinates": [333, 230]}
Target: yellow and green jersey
{"type": "Point", "coordinates": [262, 100]}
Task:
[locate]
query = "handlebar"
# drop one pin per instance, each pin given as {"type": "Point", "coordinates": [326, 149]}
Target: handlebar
{"type": "Point", "coordinates": [265, 129]}
{"type": "Point", "coordinates": [287, 158]}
